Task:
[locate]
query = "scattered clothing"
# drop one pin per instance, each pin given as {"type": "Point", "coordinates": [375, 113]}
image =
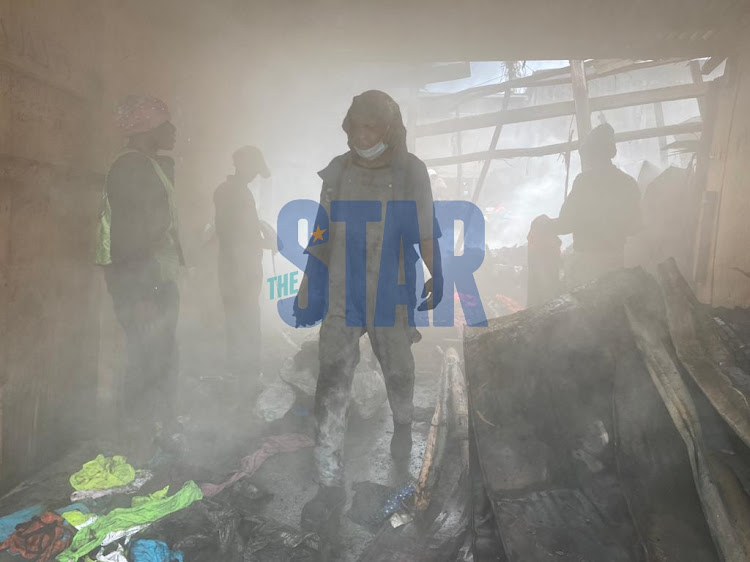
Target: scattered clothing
{"type": "Point", "coordinates": [124, 519]}
{"type": "Point", "coordinates": [271, 540]}
{"type": "Point", "coordinates": [39, 539]}
{"type": "Point", "coordinates": [79, 519]}
{"type": "Point", "coordinates": [287, 443]}
{"type": "Point", "coordinates": [115, 556]}
{"type": "Point", "coordinates": [204, 532]}
{"type": "Point", "coordinates": [145, 550]}
{"type": "Point", "coordinates": [123, 535]}
{"type": "Point", "coordinates": [9, 522]}
{"type": "Point", "coordinates": [103, 473]}
{"type": "Point", "coordinates": [141, 477]}
{"type": "Point", "coordinates": [138, 501]}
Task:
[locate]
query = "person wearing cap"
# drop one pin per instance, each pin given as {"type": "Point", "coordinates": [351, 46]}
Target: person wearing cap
{"type": "Point", "coordinates": [242, 238]}
{"type": "Point", "coordinates": [377, 168]}
{"type": "Point", "coordinates": [601, 211]}
{"type": "Point", "coordinates": [440, 189]}
{"type": "Point", "coordinates": [139, 245]}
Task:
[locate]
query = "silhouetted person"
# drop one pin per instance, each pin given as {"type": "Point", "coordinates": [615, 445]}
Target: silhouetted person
{"type": "Point", "coordinates": [240, 266]}
{"type": "Point", "coordinates": [377, 167]}
{"type": "Point", "coordinates": [140, 246]}
{"type": "Point", "coordinates": [602, 210]}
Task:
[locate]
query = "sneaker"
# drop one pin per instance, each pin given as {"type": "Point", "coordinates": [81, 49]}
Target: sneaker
{"type": "Point", "coordinates": [401, 441]}
{"type": "Point", "coordinates": [321, 514]}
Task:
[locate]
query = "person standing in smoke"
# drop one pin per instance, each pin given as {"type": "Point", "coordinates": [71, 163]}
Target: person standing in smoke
{"type": "Point", "coordinates": [241, 243]}
{"type": "Point", "coordinates": [139, 243]}
{"type": "Point", "coordinates": [602, 210]}
{"type": "Point", "coordinates": [378, 168]}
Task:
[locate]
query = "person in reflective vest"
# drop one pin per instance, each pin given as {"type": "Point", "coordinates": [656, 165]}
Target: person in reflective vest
{"type": "Point", "coordinates": [138, 244]}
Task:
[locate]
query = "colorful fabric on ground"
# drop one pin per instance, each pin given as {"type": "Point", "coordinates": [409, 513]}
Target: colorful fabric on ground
{"type": "Point", "coordinates": [123, 535]}
{"type": "Point", "coordinates": [138, 501]}
{"type": "Point", "coordinates": [287, 443]}
{"type": "Point", "coordinates": [9, 522]}
{"type": "Point", "coordinates": [39, 539]}
{"type": "Point", "coordinates": [122, 519]}
{"type": "Point", "coordinates": [141, 477]}
{"type": "Point", "coordinates": [116, 556]}
{"type": "Point", "coordinates": [153, 551]}
{"type": "Point", "coordinates": [103, 473]}
{"type": "Point", "coordinates": [79, 519]}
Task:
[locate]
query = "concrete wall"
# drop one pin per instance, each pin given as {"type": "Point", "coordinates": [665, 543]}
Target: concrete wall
{"type": "Point", "coordinates": [63, 65]}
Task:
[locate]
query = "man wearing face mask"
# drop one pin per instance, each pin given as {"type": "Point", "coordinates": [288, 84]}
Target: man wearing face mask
{"type": "Point", "coordinates": [138, 242]}
{"type": "Point", "coordinates": [377, 167]}
{"type": "Point", "coordinates": [241, 244]}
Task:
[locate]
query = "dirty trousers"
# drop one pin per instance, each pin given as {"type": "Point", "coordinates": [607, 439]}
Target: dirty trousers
{"type": "Point", "coordinates": [339, 356]}
{"type": "Point", "coordinates": [240, 293]}
{"type": "Point", "coordinates": [148, 316]}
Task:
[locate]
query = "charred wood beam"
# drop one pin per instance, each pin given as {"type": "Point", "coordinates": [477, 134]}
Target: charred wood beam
{"type": "Point", "coordinates": [550, 149]}
{"type": "Point", "coordinates": [711, 64]}
{"type": "Point", "coordinates": [561, 109]}
{"type": "Point", "coordinates": [724, 502]}
{"type": "Point", "coordinates": [544, 78]}
{"type": "Point", "coordinates": [659, 116]}
{"type": "Point", "coordinates": [580, 98]}
{"type": "Point", "coordinates": [695, 73]}
{"type": "Point", "coordinates": [703, 353]}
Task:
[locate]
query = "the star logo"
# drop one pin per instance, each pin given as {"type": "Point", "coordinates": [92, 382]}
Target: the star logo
{"type": "Point", "coordinates": [317, 236]}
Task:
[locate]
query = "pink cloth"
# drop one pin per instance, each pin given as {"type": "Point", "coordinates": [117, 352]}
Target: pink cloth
{"type": "Point", "coordinates": [138, 114]}
{"type": "Point", "coordinates": [287, 443]}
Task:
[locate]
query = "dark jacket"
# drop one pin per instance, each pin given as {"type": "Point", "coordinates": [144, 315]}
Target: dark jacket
{"type": "Point", "coordinates": [141, 217]}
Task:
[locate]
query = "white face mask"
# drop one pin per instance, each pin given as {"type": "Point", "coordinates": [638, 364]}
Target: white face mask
{"type": "Point", "coordinates": [373, 152]}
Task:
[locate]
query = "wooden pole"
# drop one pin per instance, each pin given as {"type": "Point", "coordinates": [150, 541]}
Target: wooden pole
{"type": "Point", "coordinates": [581, 98]}
{"type": "Point", "coordinates": [493, 144]}
{"type": "Point", "coordinates": [561, 148]}
{"type": "Point", "coordinates": [562, 109]}
{"type": "Point", "coordinates": [697, 75]}
{"type": "Point", "coordinates": [458, 149]}
{"type": "Point", "coordinates": [659, 114]}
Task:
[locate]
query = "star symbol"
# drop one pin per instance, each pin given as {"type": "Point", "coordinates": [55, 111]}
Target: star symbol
{"type": "Point", "coordinates": [317, 236]}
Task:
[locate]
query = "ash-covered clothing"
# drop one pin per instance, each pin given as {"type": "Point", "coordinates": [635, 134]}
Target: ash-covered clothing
{"type": "Point", "coordinates": [144, 234]}
{"type": "Point", "coordinates": [339, 357]}
{"type": "Point", "coordinates": [406, 179]}
{"type": "Point", "coordinates": [240, 273]}
{"type": "Point", "coordinates": [602, 211]}
{"type": "Point", "coordinates": [146, 256]}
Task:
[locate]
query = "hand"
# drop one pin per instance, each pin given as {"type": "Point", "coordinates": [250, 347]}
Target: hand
{"type": "Point", "coordinates": [306, 316]}
{"type": "Point", "coordinates": [310, 315]}
{"type": "Point", "coordinates": [433, 292]}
